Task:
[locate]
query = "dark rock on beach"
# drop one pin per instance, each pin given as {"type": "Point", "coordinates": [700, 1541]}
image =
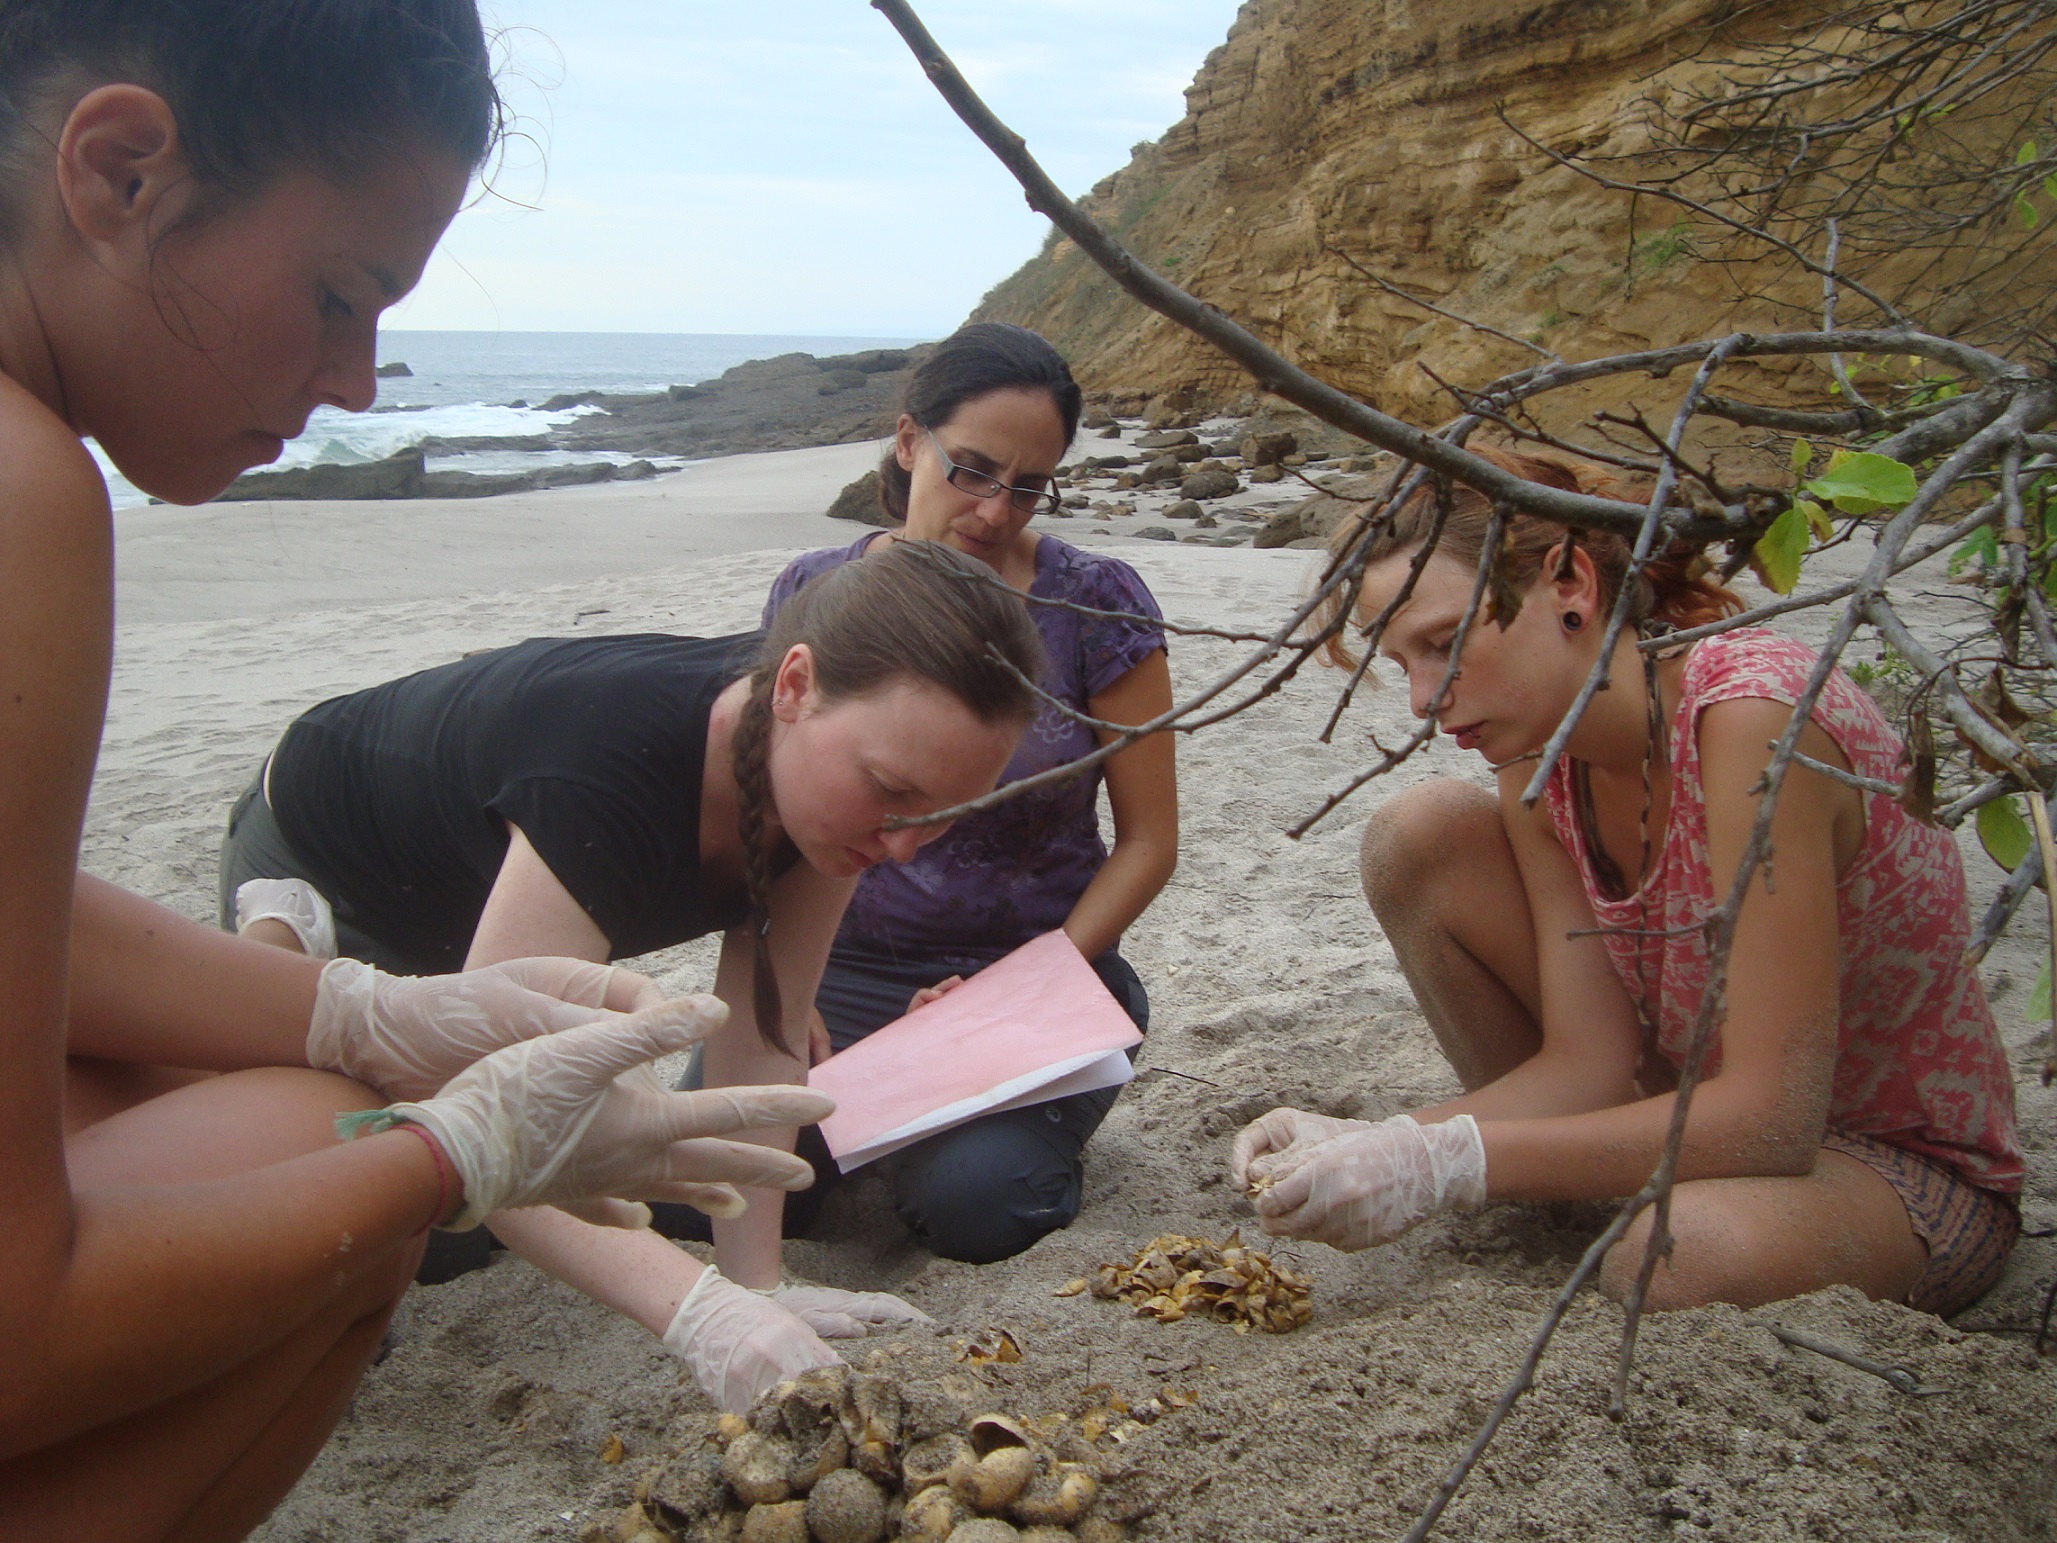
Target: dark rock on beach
{"type": "Point", "coordinates": [860, 502]}
{"type": "Point", "coordinates": [1314, 518]}
{"type": "Point", "coordinates": [397, 370]}
{"type": "Point", "coordinates": [406, 475]}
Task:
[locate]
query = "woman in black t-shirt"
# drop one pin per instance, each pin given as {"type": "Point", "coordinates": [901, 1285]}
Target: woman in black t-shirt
{"type": "Point", "coordinates": [605, 797]}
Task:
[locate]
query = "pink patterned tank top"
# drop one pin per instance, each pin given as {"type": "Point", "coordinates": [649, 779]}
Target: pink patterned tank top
{"type": "Point", "coordinates": [1919, 1063]}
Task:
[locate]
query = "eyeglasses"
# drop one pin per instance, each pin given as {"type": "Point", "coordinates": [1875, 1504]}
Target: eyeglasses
{"type": "Point", "coordinates": [978, 485]}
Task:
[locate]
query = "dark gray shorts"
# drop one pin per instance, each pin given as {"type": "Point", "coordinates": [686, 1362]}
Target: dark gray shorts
{"type": "Point", "coordinates": [255, 848]}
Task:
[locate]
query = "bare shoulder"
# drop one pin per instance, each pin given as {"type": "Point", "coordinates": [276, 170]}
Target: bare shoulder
{"type": "Point", "coordinates": [48, 478]}
{"type": "Point", "coordinates": [1524, 826]}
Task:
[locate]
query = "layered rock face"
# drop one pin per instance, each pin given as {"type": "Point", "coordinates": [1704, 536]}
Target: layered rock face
{"type": "Point", "coordinates": [1330, 131]}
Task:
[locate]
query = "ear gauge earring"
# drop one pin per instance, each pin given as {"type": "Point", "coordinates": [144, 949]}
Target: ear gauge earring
{"type": "Point", "coordinates": [1573, 621]}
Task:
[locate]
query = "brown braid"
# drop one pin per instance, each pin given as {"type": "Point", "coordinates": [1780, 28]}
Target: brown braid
{"type": "Point", "coordinates": [751, 751]}
{"type": "Point", "coordinates": [915, 611]}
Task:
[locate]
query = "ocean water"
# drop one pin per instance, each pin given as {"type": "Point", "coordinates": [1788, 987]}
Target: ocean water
{"type": "Point", "coordinates": [464, 385]}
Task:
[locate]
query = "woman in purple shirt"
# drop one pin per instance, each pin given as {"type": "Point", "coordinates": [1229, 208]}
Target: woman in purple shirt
{"type": "Point", "coordinates": [988, 418]}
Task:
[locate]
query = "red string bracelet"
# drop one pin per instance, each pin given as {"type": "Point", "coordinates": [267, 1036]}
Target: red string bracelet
{"type": "Point", "coordinates": [446, 1177]}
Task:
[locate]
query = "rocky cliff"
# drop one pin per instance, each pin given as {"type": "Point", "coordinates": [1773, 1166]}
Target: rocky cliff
{"type": "Point", "coordinates": [1330, 131]}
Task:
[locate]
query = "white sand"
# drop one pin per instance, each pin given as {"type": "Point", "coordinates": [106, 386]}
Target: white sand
{"type": "Point", "coordinates": [1267, 979]}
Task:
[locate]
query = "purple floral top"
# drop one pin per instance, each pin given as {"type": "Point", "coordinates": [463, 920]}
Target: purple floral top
{"type": "Point", "coordinates": [994, 881]}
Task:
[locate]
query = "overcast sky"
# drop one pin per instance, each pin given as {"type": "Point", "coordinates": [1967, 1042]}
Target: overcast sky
{"type": "Point", "coordinates": [783, 166]}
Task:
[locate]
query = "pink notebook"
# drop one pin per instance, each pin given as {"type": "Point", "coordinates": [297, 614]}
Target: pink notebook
{"type": "Point", "coordinates": [1035, 1026]}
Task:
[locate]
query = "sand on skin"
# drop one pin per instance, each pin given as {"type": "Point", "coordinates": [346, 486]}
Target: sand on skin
{"type": "Point", "coordinates": [1268, 979]}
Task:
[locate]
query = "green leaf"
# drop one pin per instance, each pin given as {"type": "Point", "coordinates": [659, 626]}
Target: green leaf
{"type": "Point", "coordinates": [2038, 1009]}
{"type": "Point", "coordinates": [2050, 184]}
{"type": "Point", "coordinates": [1776, 556]}
{"type": "Point", "coordinates": [1861, 483]}
{"type": "Point", "coordinates": [2025, 212]}
{"type": "Point", "coordinates": [2004, 833]}
{"type": "Point", "coordinates": [2026, 153]}
{"type": "Point", "coordinates": [1803, 453]}
{"type": "Point", "coordinates": [1817, 519]}
{"type": "Point", "coordinates": [1982, 549]}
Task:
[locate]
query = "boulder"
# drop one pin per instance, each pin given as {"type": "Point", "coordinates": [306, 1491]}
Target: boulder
{"type": "Point", "coordinates": [1105, 462]}
{"type": "Point", "coordinates": [1184, 509]}
{"type": "Point", "coordinates": [1190, 454]}
{"type": "Point", "coordinates": [1158, 533]}
{"type": "Point", "coordinates": [1112, 431]}
{"type": "Point", "coordinates": [397, 370]}
{"type": "Point", "coordinates": [860, 502]}
{"type": "Point", "coordinates": [397, 476]}
{"type": "Point", "coordinates": [1313, 519]}
{"type": "Point", "coordinates": [1267, 474]}
{"type": "Point", "coordinates": [1269, 449]}
{"type": "Point", "coordinates": [1166, 439]}
{"type": "Point", "coordinates": [1163, 469]}
{"type": "Point", "coordinates": [1210, 482]}
{"type": "Point", "coordinates": [1097, 418]}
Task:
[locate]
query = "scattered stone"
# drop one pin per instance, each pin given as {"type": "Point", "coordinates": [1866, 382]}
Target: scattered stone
{"type": "Point", "coordinates": [1210, 482]}
{"type": "Point", "coordinates": [1097, 418]}
{"type": "Point", "coordinates": [1190, 454]}
{"type": "Point", "coordinates": [1071, 500]}
{"type": "Point", "coordinates": [397, 370]}
{"type": "Point", "coordinates": [1163, 469]}
{"type": "Point", "coordinates": [1184, 509]}
{"type": "Point", "coordinates": [860, 502]}
{"type": "Point", "coordinates": [985, 1529]}
{"type": "Point", "coordinates": [1111, 432]}
{"type": "Point", "coordinates": [1205, 521]}
{"type": "Point", "coordinates": [1106, 462]}
{"type": "Point", "coordinates": [1123, 481]}
{"type": "Point", "coordinates": [1157, 533]}
{"type": "Point", "coordinates": [1166, 439]}
{"type": "Point", "coordinates": [1292, 460]}
{"type": "Point", "coordinates": [1261, 474]}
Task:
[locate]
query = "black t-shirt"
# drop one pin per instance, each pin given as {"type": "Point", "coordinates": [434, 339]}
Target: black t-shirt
{"type": "Point", "coordinates": [397, 799]}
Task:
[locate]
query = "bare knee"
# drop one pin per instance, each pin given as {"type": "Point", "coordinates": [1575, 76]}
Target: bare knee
{"type": "Point", "coordinates": [1413, 835]}
{"type": "Point", "coordinates": [1675, 1284]}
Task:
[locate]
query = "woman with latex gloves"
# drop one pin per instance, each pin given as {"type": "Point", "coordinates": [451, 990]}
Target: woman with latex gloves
{"type": "Point", "coordinates": [1856, 1121]}
{"type": "Point", "coordinates": [204, 207]}
{"type": "Point", "coordinates": [608, 796]}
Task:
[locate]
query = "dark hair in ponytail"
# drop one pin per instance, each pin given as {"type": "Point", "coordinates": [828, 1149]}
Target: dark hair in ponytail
{"type": "Point", "coordinates": [1672, 587]}
{"type": "Point", "coordinates": [258, 86]}
{"type": "Point", "coordinates": [977, 359]}
{"type": "Point", "coordinates": [914, 610]}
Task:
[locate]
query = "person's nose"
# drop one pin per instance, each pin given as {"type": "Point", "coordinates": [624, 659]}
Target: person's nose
{"type": "Point", "coordinates": [348, 378]}
{"type": "Point", "coordinates": [1422, 683]}
{"type": "Point", "coordinates": [902, 844]}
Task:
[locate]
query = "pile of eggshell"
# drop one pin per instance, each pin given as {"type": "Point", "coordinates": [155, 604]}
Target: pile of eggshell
{"type": "Point", "coordinates": [833, 1456]}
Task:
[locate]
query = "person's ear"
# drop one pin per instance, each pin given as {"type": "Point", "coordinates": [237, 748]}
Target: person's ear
{"type": "Point", "coordinates": [118, 163]}
{"type": "Point", "coordinates": [794, 694]}
{"type": "Point", "coordinates": [906, 442]}
{"type": "Point", "coordinates": [1573, 587]}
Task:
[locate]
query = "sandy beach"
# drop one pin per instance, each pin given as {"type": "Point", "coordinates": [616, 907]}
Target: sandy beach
{"type": "Point", "coordinates": [1270, 984]}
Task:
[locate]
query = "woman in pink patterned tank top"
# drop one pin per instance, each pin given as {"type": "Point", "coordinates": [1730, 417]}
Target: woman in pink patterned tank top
{"type": "Point", "coordinates": [1856, 1121]}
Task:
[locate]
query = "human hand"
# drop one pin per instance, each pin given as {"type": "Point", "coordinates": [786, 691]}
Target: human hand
{"type": "Point", "coordinates": [553, 1121]}
{"type": "Point", "coordinates": [738, 1344]}
{"type": "Point", "coordinates": [1262, 1143]}
{"type": "Point", "coordinates": [1368, 1186]}
{"type": "Point", "coordinates": [837, 1314]}
{"type": "Point", "coordinates": [406, 1035]}
{"type": "Point", "coordinates": [928, 994]}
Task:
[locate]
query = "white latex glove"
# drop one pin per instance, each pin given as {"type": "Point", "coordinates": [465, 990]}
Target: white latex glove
{"type": "Point", "coordinates": [1368, 1186]}
{"type": "Point", "coordinates": [295, 902]}
{"type": "Point", "coordinates": [837, 1314]}
{"type": "Point", "coordinates": [738, 1344]}
{"type": "Point", "coordinates": [1262, 1143]}
{"type": "Point", "coordinates": [407, 1035]}
{"type": "Point", "coordinates": [551, 1121]}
